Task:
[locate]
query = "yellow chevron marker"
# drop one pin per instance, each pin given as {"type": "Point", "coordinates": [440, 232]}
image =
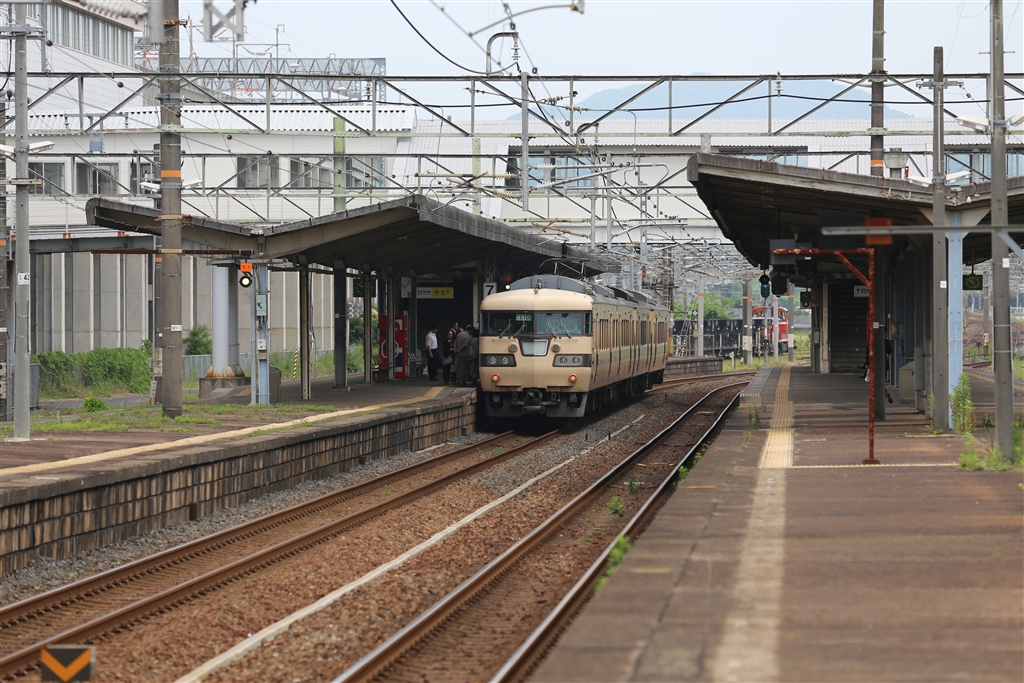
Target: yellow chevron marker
{"type": "Point", "coordinates": [778, 449]}
{"type": "Point", "coordinates": [66, 663]}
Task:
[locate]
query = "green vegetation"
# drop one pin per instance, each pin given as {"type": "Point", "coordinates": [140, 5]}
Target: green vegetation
{"type": "Point", "coordinates": [616, 506]}
{"type": "Point", "coordinates": [100, 372]}
{"type": "Point", "coordinates": [972, 460]}
{"type": "Point", "coordinates": [199, 341]}
{"type": "Point", "coordinates": [615, 557]}
{"type": "Point", "coordinates": [152, 418]}
{"type": "Point", "coordinates": [634, 486]}
{"type": "Point", "coordinates": [93, 405]}
{"type": "Point", "coordinates": [963, 406]}
{"type": "Point", "coordinates": [753, 416]}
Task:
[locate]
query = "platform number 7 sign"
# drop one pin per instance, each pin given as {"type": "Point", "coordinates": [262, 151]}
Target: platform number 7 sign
{"type": "Point", "coordinates": [490, 288]}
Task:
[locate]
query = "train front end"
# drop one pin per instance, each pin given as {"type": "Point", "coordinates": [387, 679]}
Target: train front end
{"type": "Point", "coordinates": [536, 350]}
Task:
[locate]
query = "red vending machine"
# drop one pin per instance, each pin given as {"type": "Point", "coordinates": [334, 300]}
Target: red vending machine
{"type": "Point", "coordinates": [401, 345]}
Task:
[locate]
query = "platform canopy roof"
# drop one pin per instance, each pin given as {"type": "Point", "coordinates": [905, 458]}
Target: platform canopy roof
{"type": "Point", "coordinates": [410, 236]}
{"type": "Point", "coordinates": [756, 201]}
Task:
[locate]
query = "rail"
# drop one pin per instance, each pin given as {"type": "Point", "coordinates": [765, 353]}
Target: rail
{"type": "Point", "coordinates": [374, 663]}
{"type": "Point", "coordinates": [52, 601]}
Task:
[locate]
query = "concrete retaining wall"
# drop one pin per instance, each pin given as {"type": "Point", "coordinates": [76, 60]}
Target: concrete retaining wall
{"type": "Point", "coordinates": [684, 367]}
{"type": "Point", "coordinates": [111, 501]}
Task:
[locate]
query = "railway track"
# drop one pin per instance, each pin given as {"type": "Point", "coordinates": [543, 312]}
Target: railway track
{"type": "Point", "coordinates": [93, 606]}
{"type": "Point", "coordinates": [466, 635]}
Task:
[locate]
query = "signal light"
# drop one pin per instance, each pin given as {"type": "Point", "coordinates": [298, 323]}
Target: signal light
{"type": "Point", "coordinates": [494, 378]}
{"type": "Point", "coordinates": [572, 379]}
{"type": "Point", "coordinates": [766, 286]}
{"type": "Point", "coordinates": [245, 280]}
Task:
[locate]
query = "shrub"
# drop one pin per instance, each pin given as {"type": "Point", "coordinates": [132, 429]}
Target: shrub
{"type": "Point", "coordinates": [93, 405]}
{"type": "Point", "coordinates": [616, 506]}
{"type": "Point", "coordinates": [963, 406]}
{"type": "Point", "coordinates": [199, 341]}
{"type": "Point", "coordinates": [98, 371]}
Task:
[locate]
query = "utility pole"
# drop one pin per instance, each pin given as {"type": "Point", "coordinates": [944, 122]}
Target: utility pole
{"type": "Point", "coordinates": [746, 338]}
{"type": "Point", "coordinates": [22, 267]}
{"type": "Point", "coordinates": [5, 288]}
{"type": "Point", "coordinates": [878, 87]}
{"type": "Point", "coordinates": [1002, 362]}
{"type": "Point", "coordinates": [170, 204]}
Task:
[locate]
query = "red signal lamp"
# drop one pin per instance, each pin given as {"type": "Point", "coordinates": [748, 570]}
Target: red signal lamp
{"type": "Point", "coordinates": [495, 378]}
{"type": "Point", "coordinates": [572, 379]}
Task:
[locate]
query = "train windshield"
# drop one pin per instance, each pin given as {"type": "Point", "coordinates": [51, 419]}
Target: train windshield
{"type": "Point", "coordinates": [558, 324]}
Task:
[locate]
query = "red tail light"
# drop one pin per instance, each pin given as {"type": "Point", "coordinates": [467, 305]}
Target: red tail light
{"type": "Point", "coordinates": [495, 378]}
{"type": "Point", "coordinates": [572, 378]}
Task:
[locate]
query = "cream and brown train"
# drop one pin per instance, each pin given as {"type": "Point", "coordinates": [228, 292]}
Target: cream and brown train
{"type": "Point", "coordinates": [558, 347]}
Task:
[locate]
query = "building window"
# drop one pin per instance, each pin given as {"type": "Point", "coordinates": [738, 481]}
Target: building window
{"type": "Point", "coordinates": [97, 178]}
{"type": "Point", "coordinates": [311, 172]}
{"type": "Point", "coordinates": [85, 32]}
{"type": "Point", "coordinates": [142, 172]}
{"type": "Point", "coordinates": [258, 173]}
{"type": "Point", "coordinates": [364, 172]}
{"type": "Point", "coordinates": [52, 175]}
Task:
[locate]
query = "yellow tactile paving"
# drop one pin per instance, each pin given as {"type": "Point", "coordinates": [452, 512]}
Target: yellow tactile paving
{"type": "Point", "coordinates": [778, 449]}
{"type": "Point", "coordinates": [206, 438]}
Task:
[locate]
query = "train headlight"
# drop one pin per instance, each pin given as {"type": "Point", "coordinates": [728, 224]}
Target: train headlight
{"type": "Point", "coordinates": [572, 379]}
{"type": "Point", "coordinates": [495, 378]}
{"type": "Point", "coordinates": [512, 348]}
{"type": "Point", "coordinates": [568, 360]}
{"type": "Point", "coordinates": [493, 360]}
{"type": "Point", "coordinates": [505, 360]}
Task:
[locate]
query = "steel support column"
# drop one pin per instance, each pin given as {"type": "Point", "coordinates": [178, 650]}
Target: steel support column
{"type": "Point", "coordinates": [699, 331]}
{"type": "Point", "coordinates": [305, 335]}
{"type": "Point", "coordinates": [746, 334]}
{"type": "Point", "coordinates": [340, 278]}
{"type": "Point", "coordinates": [956, 303]}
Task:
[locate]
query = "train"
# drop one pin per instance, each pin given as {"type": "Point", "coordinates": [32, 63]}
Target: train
{"type": "Point", "coordinates": [722, 336]}
{"type": "Point", "coordinates": [557, 347]}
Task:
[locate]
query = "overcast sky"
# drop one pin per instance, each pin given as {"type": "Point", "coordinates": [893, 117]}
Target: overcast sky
{"type": "Point", "coordinates": [638, 36]}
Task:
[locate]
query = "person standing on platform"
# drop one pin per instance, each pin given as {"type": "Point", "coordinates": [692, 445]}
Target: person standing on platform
{"type": "Point", "coordinates": [462, 358]}
{"type": "Point", "coordinates": [432, 357]}
{"type": "Point", "coordinates": [447, 355]}
{"type": "Point", "coordinates": [474, 355]}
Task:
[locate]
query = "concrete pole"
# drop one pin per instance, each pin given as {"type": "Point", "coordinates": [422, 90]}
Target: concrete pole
{"type": "Point", "coordinates": [22, 265]}
{"type": "Point", "coordinates": [877, 87]}
{"type": "Point", "coordinates": [339, 165]}
{"type": "Point", "coordinates": [789, 322]}
{"type": "Point", "coordinates": [233, 358]}
{"type": "Point", "coordinates": [340, 325]}
{"type": "Point", "coordinates": [524, 156]}
{"type": "Point", "coordinates": [1002, 361]}
{"type": "Point", "coordinates": [305, 335]}
{"type": "Point", "coordinates": [747, 342]}
{"type": "Point", "coordinates": [700, 317]}
{"type": "Point", "coordinates": [940, 319]}
{"type": "Point", "coordinates": [221, 365]}
{"type": "Point", "coordinates": [6, 348]}
{"type": "Point", "coordinates": [170, 204]}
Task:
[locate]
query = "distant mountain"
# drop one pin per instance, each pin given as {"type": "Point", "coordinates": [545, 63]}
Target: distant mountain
{"type": "Point", "coordinates": [690, 99]}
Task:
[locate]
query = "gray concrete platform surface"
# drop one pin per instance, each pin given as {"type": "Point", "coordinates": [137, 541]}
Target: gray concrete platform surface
{"type": "Point", "coordinates": [781, 557]}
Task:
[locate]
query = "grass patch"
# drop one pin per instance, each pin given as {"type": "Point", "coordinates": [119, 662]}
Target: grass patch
{"type": "Point", "coordinates": [615, 557]}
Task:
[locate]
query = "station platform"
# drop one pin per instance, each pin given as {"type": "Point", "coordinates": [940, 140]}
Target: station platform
{"type": "Point", "coordinates": [781, 557]}
{"type": "Point", "coordinates": [54, 448]}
